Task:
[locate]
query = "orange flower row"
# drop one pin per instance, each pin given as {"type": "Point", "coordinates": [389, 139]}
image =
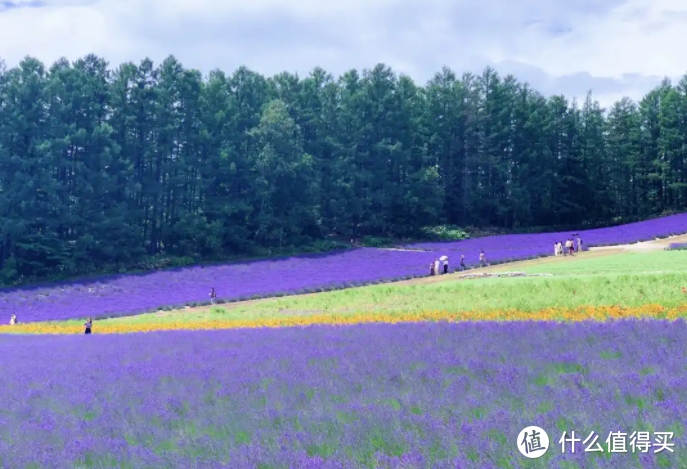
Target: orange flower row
{"type": "Point", "coordinates": [584, 313]}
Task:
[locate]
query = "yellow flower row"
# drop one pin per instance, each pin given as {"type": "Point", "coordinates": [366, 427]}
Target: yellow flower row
{"type": "Point", "coordinates": [584, 313]}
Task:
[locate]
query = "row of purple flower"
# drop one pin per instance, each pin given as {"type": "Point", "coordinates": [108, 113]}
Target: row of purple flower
{"type": "Point", "coordinates": [132, 294]}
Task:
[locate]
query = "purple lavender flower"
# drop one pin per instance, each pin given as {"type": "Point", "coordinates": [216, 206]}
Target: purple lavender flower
{"type": "Point", "coordinates": [410, 395]}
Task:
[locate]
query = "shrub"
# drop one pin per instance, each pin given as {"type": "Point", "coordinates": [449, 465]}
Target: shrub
{"type": "Point", "coordinates": [445, 233]}
{"type": "Point", "coordinates": [376, 242]}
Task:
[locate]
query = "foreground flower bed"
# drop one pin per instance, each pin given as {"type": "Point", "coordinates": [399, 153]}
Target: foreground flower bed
{"type": "Point", "coordinates": [583, 313]}
{"type": "Point", "coordinates": [387, 396]}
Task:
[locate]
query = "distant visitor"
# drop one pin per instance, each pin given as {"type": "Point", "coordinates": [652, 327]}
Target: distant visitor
{"type": "Point", "coordinates": [462, 262]}
{"type": "Point", "coordinates": [482, 259]}
{"type": "Point", "coordinates": [444, 260]}
{"type": "Point", "coordinates": [213, 296]}
{"type": "Point", "coordinates": [88, 326]}
{"type": "Point", "coordinates": [13, 319]}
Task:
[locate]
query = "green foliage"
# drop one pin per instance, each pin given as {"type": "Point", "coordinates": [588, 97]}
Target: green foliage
{"type": "Point", "coordinates": [376, 242]}
{"type": "Point", "coordinates": [154, 166]}
{"type": "Point", "coordinates": [445, 233]}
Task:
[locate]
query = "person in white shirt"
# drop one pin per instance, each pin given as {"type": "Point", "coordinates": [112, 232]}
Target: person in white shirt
{"type": "Point", "coordinates": [437, 266]}
{"type": "Point", "coordinates": [482, 259]}
{"type": "Point", "coordinates": [446, 266]}
{"type": "Point", "coordinates": [13, 319]}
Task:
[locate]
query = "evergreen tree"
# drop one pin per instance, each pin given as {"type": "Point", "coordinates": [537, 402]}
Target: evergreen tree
{"type": "Point", "coordinates": [112, 169]}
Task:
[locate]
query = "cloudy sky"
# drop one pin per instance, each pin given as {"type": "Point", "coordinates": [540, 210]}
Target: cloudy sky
{"type": "Point", "coordinates": [614, 47]}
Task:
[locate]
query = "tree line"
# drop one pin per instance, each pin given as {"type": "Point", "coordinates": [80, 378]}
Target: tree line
{"type": "Point", "coordinates": [106, 167]}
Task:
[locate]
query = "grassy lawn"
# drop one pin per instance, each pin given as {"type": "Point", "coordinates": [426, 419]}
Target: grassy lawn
{"type": "Point", "coordinates": [636, 263]}
{"type": "Point", "coordinates": [628, 280]}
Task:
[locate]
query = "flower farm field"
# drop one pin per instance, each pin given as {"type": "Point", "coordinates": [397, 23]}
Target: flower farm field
{"type": "Point", "coordinates": [384, 396]}
{"type": "Point", "coordinates": [464, 366]}
{"type": "Point", "coordinates": [581, 282]}
{"type": "Point", "coordinates": [130, 294]}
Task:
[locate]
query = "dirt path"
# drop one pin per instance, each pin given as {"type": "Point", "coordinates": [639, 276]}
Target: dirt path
{"type": "Point", "coordinates": [604, 251]}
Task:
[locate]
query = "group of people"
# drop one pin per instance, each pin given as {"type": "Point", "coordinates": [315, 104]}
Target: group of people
{"type": "Point", "coordinates": [570, 247]}
{"type": "Point", "coordinates": [440, 266]}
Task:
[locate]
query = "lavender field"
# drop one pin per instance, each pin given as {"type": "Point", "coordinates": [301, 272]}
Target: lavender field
{"type": "Point", "coordinates": [129, 294]}
{"type": "Point", "coordinates": [518, 246]}
{"type": "Point", "coordinates": [382, 396]}
{"type": "Point", "coordinates": [124, 294]}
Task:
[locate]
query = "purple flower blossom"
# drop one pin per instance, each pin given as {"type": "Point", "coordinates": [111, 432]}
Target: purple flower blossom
{"type": "Point", "coordinates": [405, 396]}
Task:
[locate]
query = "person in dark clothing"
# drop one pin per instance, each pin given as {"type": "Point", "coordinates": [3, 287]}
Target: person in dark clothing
{"type": "Point", "coordinates": [462, 263]}
{"type": "Point", "coordinates": [431, 269]}
{"type": "Point", "coordinates": [213, 296]}
{"type": "Point", "coordinates": [88, 326]}
{"type": "Point", "coordinates": [445, 266]}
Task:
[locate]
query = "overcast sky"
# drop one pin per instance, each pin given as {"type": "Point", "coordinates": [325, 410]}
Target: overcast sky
{"type": "Point", "coordinates": [614, 47]}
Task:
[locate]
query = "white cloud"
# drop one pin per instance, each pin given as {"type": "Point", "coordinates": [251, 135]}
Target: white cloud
{"type": "Point", "coordinates": [614, 46]}
{"type": "Point", "coordinates": [639, 36]}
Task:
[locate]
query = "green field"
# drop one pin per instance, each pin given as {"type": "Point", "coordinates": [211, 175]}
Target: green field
{"type": "Point", "coordinates": [657, 262]}
{"type": "Point", "coordinates": [628, 280]}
